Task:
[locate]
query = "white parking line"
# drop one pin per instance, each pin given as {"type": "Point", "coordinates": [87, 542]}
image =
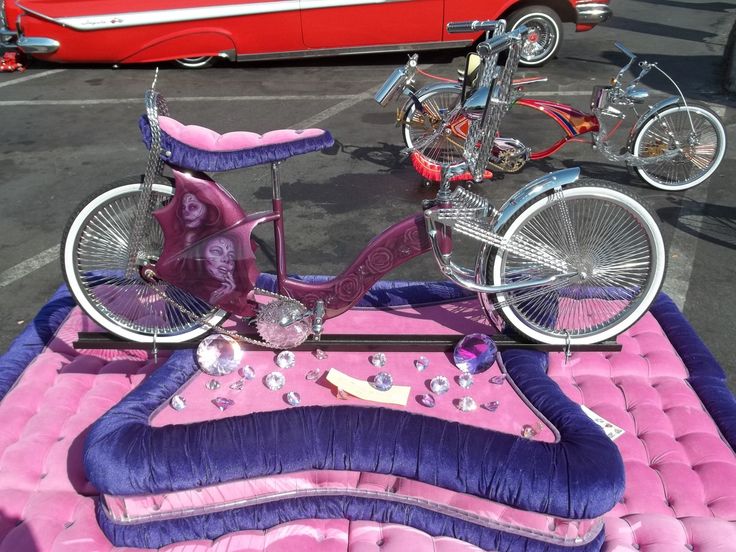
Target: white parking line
{"type": "Point", "coordinates": [683, 248]}
{"type": "Point", "coordinates": [24, 268]}
{"type": "Point", "coordinates": [31, 77]}
{"type": "Point", "coordinates": [108, 101]}
{"type": "Point", "coordinates": [351, 98]}
{"type": "Point", "coordinates": [334, 110]}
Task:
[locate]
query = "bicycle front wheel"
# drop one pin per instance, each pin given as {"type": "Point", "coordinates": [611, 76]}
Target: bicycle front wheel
{"type": "Point", "coordinates": [605, 240]}
{"type": "Point", "coordinates": [95, 257]}
{"type": "Point", "coordinates": [423, 129]}
{"type": "Point", "coordinates": [695, 131]}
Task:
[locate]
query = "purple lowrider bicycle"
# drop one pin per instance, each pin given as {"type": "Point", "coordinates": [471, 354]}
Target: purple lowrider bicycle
{"type": "Point", "coordinates": [564, 261]}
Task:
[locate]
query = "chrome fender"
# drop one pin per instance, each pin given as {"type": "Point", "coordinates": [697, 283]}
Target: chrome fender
{"type": "Point", "coordinates": [644, 119]}
{"type": "Point", "coordinates": [541, 185]}
{"type": "Point", "coordinates": [428, 89]}
{"type": "Point", "coordinates": [535, 188]}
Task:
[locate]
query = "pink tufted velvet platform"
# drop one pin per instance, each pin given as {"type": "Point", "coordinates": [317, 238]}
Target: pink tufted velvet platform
{"type": "Point", "coordinates": [681, 474]}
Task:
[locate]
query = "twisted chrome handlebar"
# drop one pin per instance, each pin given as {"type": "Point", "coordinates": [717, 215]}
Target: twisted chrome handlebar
{"type": "Point", "coordinates": [472, 26]}
{"type": "Point", "coordinates": [397, 81]}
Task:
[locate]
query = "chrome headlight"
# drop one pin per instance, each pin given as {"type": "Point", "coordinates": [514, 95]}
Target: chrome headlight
{"type": "Point", "coordinates": [636, 94]}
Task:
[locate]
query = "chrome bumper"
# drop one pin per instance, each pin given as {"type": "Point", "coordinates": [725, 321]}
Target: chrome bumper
{"type": "Point", "coordinates": [592, 14]}
{"type": "Point", "coordinates": [37, 45]}
{"type": "Point", "coordinates": [7, 38]}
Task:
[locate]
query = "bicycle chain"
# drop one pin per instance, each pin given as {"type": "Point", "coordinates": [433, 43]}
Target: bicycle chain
{"type": "Point", "coordinates": [219, 329]}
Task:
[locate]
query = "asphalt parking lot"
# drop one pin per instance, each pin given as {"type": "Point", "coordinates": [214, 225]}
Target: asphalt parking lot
{"type": "Point", "coordinates": [69, 130]}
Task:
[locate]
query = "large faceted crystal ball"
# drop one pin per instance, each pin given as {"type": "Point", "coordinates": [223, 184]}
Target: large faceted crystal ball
{"type": "Point", "coordinates": [475, 353]}
{"type": "Point", "coordinates": [282, 324]}
{"type": "Point", "coordinates": [218, 355]}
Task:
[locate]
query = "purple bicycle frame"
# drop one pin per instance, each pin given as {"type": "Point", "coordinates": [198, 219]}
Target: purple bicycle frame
{"type": "Point", "coordinates": [208, 251]}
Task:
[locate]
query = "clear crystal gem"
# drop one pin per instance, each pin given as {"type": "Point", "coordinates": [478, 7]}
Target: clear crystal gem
{"type": "Point", "coordinates": [212, 385]}
{"type": "Point", "coordinates": [313, 374]}
{"type": "Point", "coordinates": [223, 403]}
{"type": "Point", "coordinates": [466, 404]}
{"type": "Point", "coordinates": [475, 353]}
{"type": "Point", "coordinates": [218, 355]}
{"type": "Point", "coordinates": [491, 406]}
{"type": "Point", "coordinates": [465, 380]}
{"type": "Point", "coordinates": [342, 395]}
{"type": "Point", "coordinates": [383, 381]}
{"type": "Point", "coordinates": [528, 432]}
{"type": "Point", "coordinates": [439, 385]}
{"type": "Point", "coordinates": [498, 380]}
{"type": "Point", "coordinates": [427, 400]}
{"type": "Point", "coordinates": [283, 323]}
{"type": "Point", "coordinates": [247, 372]}
{"type": "Point", "coordinates": [421, 363]}
{"type": "Point", "coordinates": [293, 398]}
{"type": "Point", "coordinates": [178, 403]}
{"type": "Point", "coordinates": [237, 385]}
{"type": "Point", "coordinates": [320, 354]}
{"type": "Point", "coordinates": [285, 360]}
{"type": "Point", "coordinates": [378, 360]}
{"type": "Point", "coordinates": [274, 381]}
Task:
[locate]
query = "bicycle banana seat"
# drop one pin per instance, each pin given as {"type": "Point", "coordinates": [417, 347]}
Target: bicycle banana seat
{"type": "Point", "coordinates": [201, 149]}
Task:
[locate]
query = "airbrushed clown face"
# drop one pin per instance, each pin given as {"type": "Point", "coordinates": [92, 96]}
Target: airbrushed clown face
{"type": "Point", "coordinates": [219, 257]}
{"type": "Point", "coordinates": [193, 211]}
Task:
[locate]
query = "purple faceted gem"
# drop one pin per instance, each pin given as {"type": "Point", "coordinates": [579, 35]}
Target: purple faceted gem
{"type": "Point", "coordinates": [475, 353]}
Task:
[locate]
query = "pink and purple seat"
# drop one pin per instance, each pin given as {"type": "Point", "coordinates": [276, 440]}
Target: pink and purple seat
{"type": "Point", "coordinates": [201, 149]}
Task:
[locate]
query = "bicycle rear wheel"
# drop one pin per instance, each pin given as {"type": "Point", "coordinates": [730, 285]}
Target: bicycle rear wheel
{"type": "Point", "coordinates": [422, 129]}
{"type": "Point", "coordinates": [95, 256]}
{"type": "Point", "coordinates": [699, 135]}
{"type": "Point", "coordinates": [603, 235]}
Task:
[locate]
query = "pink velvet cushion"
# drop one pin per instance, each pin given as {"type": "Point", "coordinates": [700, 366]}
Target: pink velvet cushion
{"type": "Point", "coordinates": [208, 140]}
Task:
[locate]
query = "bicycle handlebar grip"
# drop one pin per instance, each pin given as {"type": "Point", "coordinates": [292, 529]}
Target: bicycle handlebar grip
{"type": "Point", "coordinates": [497, 44]}
{"type": "Point", "coordinates": [471, 26]}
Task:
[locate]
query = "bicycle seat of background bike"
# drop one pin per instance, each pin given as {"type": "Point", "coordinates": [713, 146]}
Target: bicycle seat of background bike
{"type": "Point", "coordinates": [201, 149]}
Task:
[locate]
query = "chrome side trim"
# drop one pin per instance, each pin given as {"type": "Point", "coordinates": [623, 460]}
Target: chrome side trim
{"type": "Point", "coordinates": [37, 45]}
{"type": "Point", "coordinates": [592, 14]}
{"type": "Point", "coordinates": [157, 17]}
{"type": "Point", "coordinates": [356, 50]}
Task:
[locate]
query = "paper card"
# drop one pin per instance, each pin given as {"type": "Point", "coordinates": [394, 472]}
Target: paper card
{"type": "Point", "coordinates": [612, 430]}
{"type": "Point", "coordinates": [398, 394]}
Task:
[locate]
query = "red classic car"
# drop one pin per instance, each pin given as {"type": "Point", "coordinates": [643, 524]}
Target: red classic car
{"type": "Point", "coordinates": [195, 32]}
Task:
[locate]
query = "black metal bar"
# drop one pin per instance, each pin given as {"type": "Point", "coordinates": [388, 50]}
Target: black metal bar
{"type": "Point", "coordinates": [350, 342]}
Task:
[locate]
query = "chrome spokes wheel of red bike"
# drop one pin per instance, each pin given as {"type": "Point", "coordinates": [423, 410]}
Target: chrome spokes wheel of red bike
{"type": "Point", "coordinates": [684, 145]}
{"type": "Point", "coordinates": [430, 130]}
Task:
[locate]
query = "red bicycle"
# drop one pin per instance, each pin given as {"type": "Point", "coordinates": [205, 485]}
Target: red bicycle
{"type": "Point", "coordinates": [674, 145]}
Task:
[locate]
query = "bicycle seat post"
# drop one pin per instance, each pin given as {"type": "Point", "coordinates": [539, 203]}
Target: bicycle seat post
{"type": "Point", "coordinates": [278, 225]}
{"type": "Point", "coordinates": [275, 180]}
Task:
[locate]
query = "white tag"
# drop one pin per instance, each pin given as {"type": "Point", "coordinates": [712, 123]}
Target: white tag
{"type": "Point", "coordinates": [612, 430]}
{"type": "Point", "coordinates": [398, 394]}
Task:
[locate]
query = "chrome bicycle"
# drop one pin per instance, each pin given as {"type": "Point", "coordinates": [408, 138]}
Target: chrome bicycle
{"type": "Point", "coordinates": [564, 261]}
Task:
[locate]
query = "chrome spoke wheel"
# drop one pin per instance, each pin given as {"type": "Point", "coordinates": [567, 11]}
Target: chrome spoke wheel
{"type": "Point", "coordinates": [429, 130]}
{"type": "Point", "coordinates": [95, 261]}
{"type": "Point", "coordinates": [684, 145]}
{"type": "Point", "coordinates": [607, 240]}
{"type": "Point", "coordinates": [545, 33]}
